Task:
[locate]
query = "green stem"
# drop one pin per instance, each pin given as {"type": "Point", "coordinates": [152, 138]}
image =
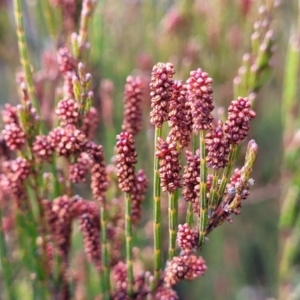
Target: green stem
{"type": "Point", "coordinates": [24, 58]}
{"type": "Point", "coordinates": [226, 173]}
{"type": "Point", "coordinates": [172, 224]}
{"type": "Point", "coordinates": [5, 265]}
{"type": "Point", "coordinates": [48, 15]}
{"type": "Point", "coordinates": [189, 214]}
{"type": "Point", "coordinates": [157, 212]}
{"type": "Point", "coordinates": [128, 233]}
{"type": "Point", "coordinates": [203, 198]}
{"type": "Point", "coordinates": [289, 253]}
{"type": "Point", "coordinates": [213, 195]}
{"type": "Point", "coordinates": [104, 252]}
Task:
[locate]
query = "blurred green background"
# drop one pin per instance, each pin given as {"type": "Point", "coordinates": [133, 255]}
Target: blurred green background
{"type": "Point", "coordinates": [129, 37]}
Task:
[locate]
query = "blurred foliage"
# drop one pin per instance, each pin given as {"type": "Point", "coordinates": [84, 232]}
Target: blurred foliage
{"type": "Point", "coordinates": [129, 37]}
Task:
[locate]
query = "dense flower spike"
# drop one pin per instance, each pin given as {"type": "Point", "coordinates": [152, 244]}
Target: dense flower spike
{"type": "Point", "coordinates": [79, 207]}
{"type": "Point", "coordinates": [187, 238]}
{"type": "Point", "coordinates": [126, 158]}
{"type": "Point", "coordinates": [14, 136]}
{"type": "Point", "coordinates": [59, 217]}
{"type": "Point", "coordinates": [164, 293]}
{"type": "Point", "coordinates": [132, 116]}
{"type": "Point", "coordinates": [68, 87]}
{"type": "Point", "coordinates": [9, 114]}
{"type": "Point", "coordinates": [161, 92]}
{"type": "Point", "coordinates": [191, 177]}
{"type": "Point", "coordinates": [180, 118]}
{"type": "Point", "coordinates": [67, 140]}
{"type": "Point", "coordinates": [138, 195]}
{"type": "Point", "coordinates": [186, 267]}
{"type": "Point", "coordinates": [89, 225]}
{"type": "Point", "coordinates": [42, 147]}
{"type": "Point", "coordinates": [217, 147]}
{"type": "Point", "coordinates": [120, 277]}
{"type": "Point", "coordinates": [200, 99]}
{"type": "Point", "coordinates": [15, 173]}
{"type": "Point", "coordinates": [90, 123]}
{"type": "Point", "coordinates": [169, 166]}
{"type": "Point", "coordinates": [78, 170]}
{"type": "Point", "coordinates": [65, 60]}
{"type": "Point", "coordinates": [239, 115]}
{"type": "Point", "coordinates": [67, 112]}
{"type": "Point", "coordinates": [99, 180]}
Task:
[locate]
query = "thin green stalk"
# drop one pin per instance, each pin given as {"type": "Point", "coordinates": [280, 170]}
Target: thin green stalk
{"type": "Point", "coordinates": [157, 212]}
{"type": "Point", "coordinates": [104, 252]}
{"type": "Point", "coordinates": [172, 224]}
{"type": "Point", "coordinates": [226, 173]}
{"type": "Point", "coordinates": [213, 195]}
{"type": "Point", "coordinates": [24, 58]}
{"type": "Point", "coordinates": [189, 214]}
{"type": "Point", "coordinates": [289, 253]}
{"type": "Point", "coordinates": [290, 85]}
{"type": "Point", "coordinates": [5, 265]}
{"type": "Point", "coordinates": [49, 18]}
{"type": "Point", "coordinates": [128, 234]}
{"type": "Point", "coordinates": [203, 198]}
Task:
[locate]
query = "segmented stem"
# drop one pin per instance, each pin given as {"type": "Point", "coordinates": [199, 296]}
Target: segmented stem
{"type": "Point", "coordinates": [203, 198]}
{"type": "Point", "coordinates": [5, 266]}
{"type": "Point", "coordinates": [172, 224]}
{"type": "Point", "coordinates": [49, 18]}
{"type": "Point", "coordinates": [189, 214]}
{"type": "Point", "coordinates": [156, 211]}
{"type": "Point", "coordinates": [128, 234]}
{"type": "Point", "coordinates": [104, 252]}
{"type": "Point", "coordinates": [213, 195]}
{"type": "Point", "coordinates": [24, 58]}
{"type": "Point", "coordinates": [226, 173]}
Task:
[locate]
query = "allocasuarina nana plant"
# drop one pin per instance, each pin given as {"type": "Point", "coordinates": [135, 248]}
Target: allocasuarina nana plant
{"type": "Point", "coordinates": [47, 158]}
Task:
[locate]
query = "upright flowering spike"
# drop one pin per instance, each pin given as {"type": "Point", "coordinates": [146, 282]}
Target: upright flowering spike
{"type": "Point", "coordinates": [66, 61]}
{"type": "Point", "coordinates": [67, 140]}
{"type": "Point", "coordinates": [126, 159]}
{"type": "Point", "coordinates": [200, 99]}
{"type": "Point", "coordinates": [180, 118]}
{"type": "Point", "coordinates": [120, 280]}
{"type": "Point", "coordinates": [169, 170]}
{"type": "Point", "coordinates": [187, 238]}
{"type": "Point", "coordinates": [217, 147]}
{"type": "Point", "coordinates": [15, 173]}
{"type": "Point", "coordinates": [239, 116]}
{"type": "Point", "coordinates": [132, 117]}
{"type": "Point", "coordinates": [186, 267]}
{"type": "Point", "coordinates": [59, 216]}
{"type": "Point", "coordinates": [67, 112]}
{"type": "Point", "coordinates": [10, 114]}
{"type": "Point", "coordinates": [14, 136]}
{"type": "Point", "coordinates": [99, 181]}
{"type": "Point", "coordinates": [164, 293]}
{"type": "Point", "coordinates": [42, 148]}
{"type": "Point", "coordinates": [161, 92]}
{"type": "Point", "coordinates": [191, 175]}
{"type": "Point", "coordinates": [90, 123]}
{"type": "Point", "coordinates": [89, 225]}
{"type": "Point", "coordinates": [138, 195]}
{"type": "Point", "coordinates": [68, 87]}
{"type": "Point", "coordinates": [78, 170]}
